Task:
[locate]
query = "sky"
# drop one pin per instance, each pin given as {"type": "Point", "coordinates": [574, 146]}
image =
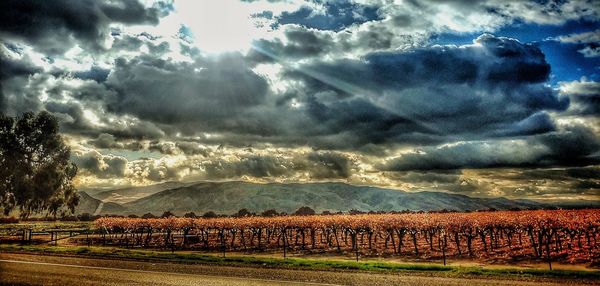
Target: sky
{"type": "Point", "coordinates": [488, 98]}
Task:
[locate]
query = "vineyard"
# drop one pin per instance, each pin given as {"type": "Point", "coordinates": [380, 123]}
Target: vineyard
{"type": "Point", "coordinates": [556, 235]}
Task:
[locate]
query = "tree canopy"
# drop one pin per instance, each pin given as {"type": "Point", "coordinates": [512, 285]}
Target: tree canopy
{"type": "Point", "coordinates": [35, 171]}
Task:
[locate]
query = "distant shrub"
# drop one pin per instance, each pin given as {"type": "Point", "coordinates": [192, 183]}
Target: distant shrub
{"type": "Point", "coordinates": [85, 217]}
{"type": "Point", "coordinates": [243, 213]}
{"type": "Point", "coordinates": [190, 215]}
{"type": "Point", "coordinates": [148, 215]}
{"type": "Point", "coordinates": [269, 213]}
{"type": "Point", "coordinates": [305, 211]}
{"type": "Point", "coordinates": [167, 214]}
{"type": "Point", "coordinates": [209, 214]}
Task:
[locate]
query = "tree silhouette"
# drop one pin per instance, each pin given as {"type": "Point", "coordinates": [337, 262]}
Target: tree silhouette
{"type": "Point", "coordinates": [270, 213]}
{"type": "Point", "coordinates": [35, 171]}
{"type": "Point", "coordinates": [167, 214]}
{"type": "Point", "coordinates": [243, 213]}
{"type": "Point", "coordinates": [305, 211]}
{"type": "Point", "coordinates": [190, 215]}
{"type": "Point", "coordinates": [148, 215]}
{"type": "Point", "coordinates": [209, 214]}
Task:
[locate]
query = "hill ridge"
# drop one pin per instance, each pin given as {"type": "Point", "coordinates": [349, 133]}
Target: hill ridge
{"type": "Point", "coordinates": [230, 196]}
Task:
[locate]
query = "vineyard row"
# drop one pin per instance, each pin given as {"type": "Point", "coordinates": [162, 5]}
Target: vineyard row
{"type": "Point", "coordinates": [569, 235]}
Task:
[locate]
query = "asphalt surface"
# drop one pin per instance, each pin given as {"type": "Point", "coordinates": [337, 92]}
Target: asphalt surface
{"type": "Point", "coordinates": [26, 269]}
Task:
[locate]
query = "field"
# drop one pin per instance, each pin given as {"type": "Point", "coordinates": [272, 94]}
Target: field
{"type": "Point", "coordinates": [558, 243]}
{"type": "Point", "coordinates": [559, 235]}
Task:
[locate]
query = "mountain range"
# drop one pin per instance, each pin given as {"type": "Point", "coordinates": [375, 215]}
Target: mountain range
{"type": "Point", "coordinates": [229, 197]}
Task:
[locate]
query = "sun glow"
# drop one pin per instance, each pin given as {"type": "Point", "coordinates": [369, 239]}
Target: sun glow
{"type": "Point", "coordinates": [219, 26]}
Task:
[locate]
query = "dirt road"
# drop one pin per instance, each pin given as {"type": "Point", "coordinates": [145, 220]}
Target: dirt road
{"type": "Point", "coordinates": [26, 269]}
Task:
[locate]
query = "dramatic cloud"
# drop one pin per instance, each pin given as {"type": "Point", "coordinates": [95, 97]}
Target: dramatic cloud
{"type": "Point", "coordinates": [317, 165]}
{"type": "Point", "coordinates": [576, 145]}
{"type": "Point", "coordinates": [101, 166]}
{"type": "Point", "coordinates": [404, 96]}
{"type": "Point", "coordinates": [55, 26]}
{"type": "Point", "coordinates": [211, 92]}
{"type": "Point", "coordinates": [584, 94]}
{"type": "Point", "coordinates": [478, 98]}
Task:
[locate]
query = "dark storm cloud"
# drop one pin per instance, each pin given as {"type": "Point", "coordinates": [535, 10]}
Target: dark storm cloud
{"type": "Point", "coordinates": [108, 141]}
{"type": "Point", "coordinates": [363, 121]}
{"type": "Point", "coordinates": [318, 165]}
{"type": "Point", "coordinates": [101, 166]}
{"type": "Point", "coordinates": [135, 130]}
{"type": "Point", "coordinates": [211, 93]}
{"type": "Point", "coordinates": [419, 96]}
{"type": "Point", "coordinates": [575, 145]}
{"type": "Point", "coordinates": [89, 96]}
{"type": "Point", "coordinates": [507, 182]}
{"type": "Point", "coordinates": [384, 98]}
{"type": "Point", "coordinates": [300, 43]}
{"type": "Point", "coordinates": [97, 74]}
{"type": "Point", "coordinates": [254, 166]}
{"type": "Point", "coordinates": [15, 99]}
{"type": "Point", "coordinates": [585, 96]}
{"type": "Point", "coordinates": [431, 177]}
{"type": "Point", "coordinates": [11, 68]}
{"type": "Point", "coordinates": [556, 174]}
{"type": "Point", "coordinates": [567, 181]}
{"type": "Point", "coordinates": [133, 43]}
{"type": "Point", "coordinates": [127, 43]}
{"type": "Point", "coordinates": [167, 148]}
{"type": "Point", "coordinates": [326, 165]}
{"type": "Point", "coordinates": [537, 123]}
{"type": "Point", "coordinates": [193, 148]}
{"type": "Point", "coordinates": [441, 89]}
{"type": "Point", "coordinates": [54, 26]}
{"type": "Point", "coordinates": [71, 115]}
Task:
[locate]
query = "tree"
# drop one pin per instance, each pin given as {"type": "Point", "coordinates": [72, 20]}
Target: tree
{"type": "Point", "coordinates": [148, 215]}
{"type": "Point", "coordinates": [35, 171]}
{"type": "Point", "coordinates": [190, 215]}
{"type": "Point", "coordinates": [85, 217]}
{"type": "Point", "coordinates": [243, 213]}
{"type": "Point", "coordinates": [167, 214]}
{"type": "Point", "coordinates": [305, 211]}
{"type": "Point", "coordinates": [269, 213]}
{"type": "Point", "coordinates": [209, 214]}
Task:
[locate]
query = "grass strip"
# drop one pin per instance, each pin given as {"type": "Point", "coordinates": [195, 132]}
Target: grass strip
{"type": "Point", "coordinates": [298, 263]}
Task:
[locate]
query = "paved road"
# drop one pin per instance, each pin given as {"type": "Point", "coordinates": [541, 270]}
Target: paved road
{"type": "Point", "coordinates": [23, 269]}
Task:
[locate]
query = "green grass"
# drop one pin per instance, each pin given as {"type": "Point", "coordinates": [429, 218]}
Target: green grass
{"type": "Point", "coordinates": [45, 225]}
{"type": "Point", "coordinates": [300, 263]}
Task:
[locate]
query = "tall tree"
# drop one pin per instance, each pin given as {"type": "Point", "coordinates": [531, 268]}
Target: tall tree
{"type": "Point", "coordinates": [35, 171]}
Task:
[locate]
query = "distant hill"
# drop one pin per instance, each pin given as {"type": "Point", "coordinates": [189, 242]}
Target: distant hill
{"type": "Point", "coordinates": [573, 204]}
{"type": "Point", "coordinates": [229, 197]}
{"type": "Point", "coordinates": [126, 195]}
{"type": "Point", "coordinates": [88, 204]}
